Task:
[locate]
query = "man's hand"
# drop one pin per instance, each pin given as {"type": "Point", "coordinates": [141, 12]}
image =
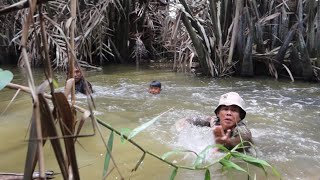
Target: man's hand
{"type": "Point", "coordinates": [220, 136]}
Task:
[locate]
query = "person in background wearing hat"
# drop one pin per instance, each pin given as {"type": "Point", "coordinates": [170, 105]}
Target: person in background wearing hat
{"type": "Point", "coordinates": [228, 126]}
{"type": "Point", "coordinates": [80, 83]}
{"type": "Point", "coordinates": [155, 87]}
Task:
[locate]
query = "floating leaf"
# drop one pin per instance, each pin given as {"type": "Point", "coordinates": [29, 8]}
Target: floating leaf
{"type": "Point", "coordinates": [108, 155]}
{"type": "Point", "coordinates": [174, 173]}
{"type": "Point", "coordinates": [207, 175]}
{"type": "Point", "coordinates": [5, 78]}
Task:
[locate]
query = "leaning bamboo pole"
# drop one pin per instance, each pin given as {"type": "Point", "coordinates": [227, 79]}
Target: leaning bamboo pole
{"type": "Point", "coordinates": [72, 44]}
{"type": "Point", "coordinates": [35, 150]}
{"type": "Point", "coordinates": [239, 6]}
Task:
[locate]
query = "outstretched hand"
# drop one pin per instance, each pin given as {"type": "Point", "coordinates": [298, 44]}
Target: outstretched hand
{"type": "Point", "coordinates": [220, 136]}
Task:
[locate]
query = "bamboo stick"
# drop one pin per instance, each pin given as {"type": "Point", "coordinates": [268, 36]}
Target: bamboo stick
{"type": "Point", "coordinates": [30, 161]}
{"type": "Point", "coordinates": [196, 41]}
{"type": "Point", "coordinates": [239, 6]}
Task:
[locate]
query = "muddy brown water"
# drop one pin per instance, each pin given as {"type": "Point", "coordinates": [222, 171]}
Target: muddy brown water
{"type": "Point", "coordinates": [283, 117]}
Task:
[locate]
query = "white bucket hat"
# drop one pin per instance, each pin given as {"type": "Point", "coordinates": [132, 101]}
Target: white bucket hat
{"type": "Point", "coordinates": [232, 98]}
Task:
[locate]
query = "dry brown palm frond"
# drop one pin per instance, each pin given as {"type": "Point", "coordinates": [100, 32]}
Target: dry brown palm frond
{"type": "Point", "coordinates": [139, 49]}
{"type": "Point", "coordinates": [59, 8]}
{"type": "Point", "coordinates": [67, 122]}
{"type": "Point", "coordinates": [51, 131]}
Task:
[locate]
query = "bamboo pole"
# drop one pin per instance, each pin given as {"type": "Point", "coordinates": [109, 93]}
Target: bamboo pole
{"type": "Point", "coordinates": [73, 6]}
{"type": "Point", "coordinates": [239, 6]}
{"type": "Point", "coordinates": [196, 42]}
{"type": "Point", "coordinates": [36, 114]}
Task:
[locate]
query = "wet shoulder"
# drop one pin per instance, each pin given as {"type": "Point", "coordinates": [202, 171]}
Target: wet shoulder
{"type": "Point", "coordinates": [242, 129]}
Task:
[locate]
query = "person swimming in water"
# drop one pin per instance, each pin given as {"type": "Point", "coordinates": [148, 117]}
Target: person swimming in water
{"type": "Point", "coordinates": [155, 87]}
{"type": "Point", "coordinates": [80, 83]}
{"type": "Point", "coordinates": [228, 127]}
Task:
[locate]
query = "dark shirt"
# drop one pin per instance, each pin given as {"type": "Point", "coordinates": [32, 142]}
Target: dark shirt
{"type": "Point", "coordinates": [80, 86]}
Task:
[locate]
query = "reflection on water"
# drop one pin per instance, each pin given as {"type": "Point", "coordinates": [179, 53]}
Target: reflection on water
{"type": "Point", "coordinates": [283, 118]}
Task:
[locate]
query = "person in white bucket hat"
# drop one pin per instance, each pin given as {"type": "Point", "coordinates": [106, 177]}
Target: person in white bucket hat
{"type": "Point", "coordinates": [228, 126]}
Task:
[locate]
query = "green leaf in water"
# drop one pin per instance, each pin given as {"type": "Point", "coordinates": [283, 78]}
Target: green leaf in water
{"type": "Point", "coordinates": [5, 78]}
{"type": "Point", "coordinates": [174, 173]}
{"type": "Point", "coordinates": [145, 125]}
{"type": "Point", "coordinates": [167, 154]}
{"type": "Point", "coordinates": [230, 165]}
{"type": "Point", "coordinates": [204, 152]}
{"type": "Point", "coordinates": [207, 175]}
{"type": "Point", "coordinates": [124, 132]}
{"type": "Point", "coordinates": [108, 155]}
{"type": "Point", "coordinates": [254, 161]}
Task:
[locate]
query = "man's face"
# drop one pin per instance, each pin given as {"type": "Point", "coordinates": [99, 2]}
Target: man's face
{"type": "Point", "coordinates": [229, 116]}
{"type": "Point", "coordinates": [154, 90]}
{"type": "Point", "coordinates": [77, 74]}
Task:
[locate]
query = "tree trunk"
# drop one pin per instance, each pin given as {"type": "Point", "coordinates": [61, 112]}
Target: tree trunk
{"type": "Point", "coordinates": [239, 6]}
{"type": "Point", "coordinates": [196, 42]}
{"type": "Point", "coordinates": [247, 64]}
{"type": "Point", "coordinates": [307, 71]}
{"type": "Point", "coordinates": [317, 45]}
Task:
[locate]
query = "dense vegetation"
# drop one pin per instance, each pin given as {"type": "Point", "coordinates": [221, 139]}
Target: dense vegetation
{"type": "Point", "coordinates": [216, 38]}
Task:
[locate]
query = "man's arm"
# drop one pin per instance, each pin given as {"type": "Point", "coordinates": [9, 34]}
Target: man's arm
{"type": "Point", "coordinates": [197, 121]}
{"type": "Point", "coordinates": [68, 87]}
{"type": "Point", "coordinates": [233, 141]}
{"type": "Point", "coordinates": [229, 142]}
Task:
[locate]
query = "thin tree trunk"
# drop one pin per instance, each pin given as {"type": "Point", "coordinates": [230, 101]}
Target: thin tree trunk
{"type": "Point", "coordinates": [239, 6]}
{"type": "Point", "coordinates": [307, 71]}
{"type": "Point", "coordinates": [247, 64]}
{"type": "Point", "coordinates": [317, 45]}
{"type": "Point", "coordinates": [311, 28]}
{"type": "Point", "coordinates": [196, 42]}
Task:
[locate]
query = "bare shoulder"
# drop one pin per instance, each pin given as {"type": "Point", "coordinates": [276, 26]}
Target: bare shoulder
{"type": "Point", "coordinates": [68, 87]}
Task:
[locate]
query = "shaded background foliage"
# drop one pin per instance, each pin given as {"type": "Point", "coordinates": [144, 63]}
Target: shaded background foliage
{"type": "Point", "coordinates": [216, 38]}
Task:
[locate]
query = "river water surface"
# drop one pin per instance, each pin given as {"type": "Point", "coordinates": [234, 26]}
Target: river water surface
{"type": "Point", "coordinates": [284, 118]}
